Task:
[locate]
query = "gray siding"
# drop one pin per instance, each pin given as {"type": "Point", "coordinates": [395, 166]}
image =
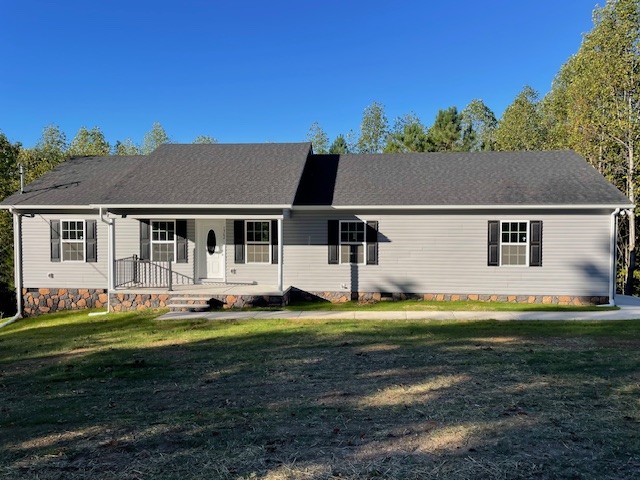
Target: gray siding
{"type": "Point", "coordinates": [37, 264]}
{"type": "Point", "coordinates": [260, 273]}
{"type": "Point", "coordinates": [448, 253]}
{"type": "Point", "coordinates": [38, 269]}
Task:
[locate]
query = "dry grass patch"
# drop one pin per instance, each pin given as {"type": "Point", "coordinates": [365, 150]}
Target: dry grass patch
{"type": "Point", "coordinates": [275, 399]}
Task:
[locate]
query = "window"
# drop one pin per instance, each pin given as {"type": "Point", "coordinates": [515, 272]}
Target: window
{"type": "Point", "coordinates": [514, 241]}
{"type": "Point", "coordinates": [352, 242]}
{"type": "Point", "coordinates": [163, 241]}
{"type": "Point", "coordinates": [258, 241]}
{"type": "Point", "coordinates": [72, 240]}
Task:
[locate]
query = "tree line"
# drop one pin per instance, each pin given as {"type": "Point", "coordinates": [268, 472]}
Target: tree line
{"type": "Point", "coordinates": [593, 107]}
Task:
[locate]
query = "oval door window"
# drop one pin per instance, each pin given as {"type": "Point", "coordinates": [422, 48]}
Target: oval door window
{"type": "Point", "coordinates": [211, 242]}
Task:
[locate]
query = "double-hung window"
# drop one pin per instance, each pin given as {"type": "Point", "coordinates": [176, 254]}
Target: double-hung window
{"type": "Point", "coordinates": [514, 242]}
{"type": "Point", "coordinates": [258, 241]}
{"type": "Point", "coordinates": [72, 240]}
{"type": "Point", "coordinates": [352, 242]}
{"type": "Point", "coordinates": [163, 241]}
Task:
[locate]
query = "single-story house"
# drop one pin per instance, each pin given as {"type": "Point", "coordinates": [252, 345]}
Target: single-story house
{"type": "Point", "coordinates": [189, 226]}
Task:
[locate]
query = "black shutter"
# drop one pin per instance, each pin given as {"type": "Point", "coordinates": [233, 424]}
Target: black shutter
{"type": "Point", "coordinates": [145, 240]}
{"type": "Point", "coordinates": [372, 243]}
{"type": "Point", "coordinates": [494, 240]}
{"type": "Point", "coordinates": [55, 240]}
{"type": "Point", "coordinates": [535, 243]}
{"type": "Point", "coordinates": [274, 241]}
{"type": "Point", "coordinates": [238, 240]}
{"type": "Point", "coordinates": [182, 245]}
{"type": "Point", "coordinates": [333, 240]}
{"type": "Point", "coordinates": [92, 240]}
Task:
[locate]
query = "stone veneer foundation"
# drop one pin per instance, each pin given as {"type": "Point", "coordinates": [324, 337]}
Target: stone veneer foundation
{"type": "Point", "coordinates": [45, 300]}
{"type": "Point", "coordinates": [369, 297]}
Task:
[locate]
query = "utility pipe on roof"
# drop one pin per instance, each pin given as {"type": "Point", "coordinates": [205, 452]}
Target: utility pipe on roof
{"type": "Point", "coordinates": [17, 255]}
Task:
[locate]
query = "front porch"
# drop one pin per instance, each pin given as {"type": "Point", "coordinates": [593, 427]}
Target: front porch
{"type": "Point", "coordinates": [199, 297]}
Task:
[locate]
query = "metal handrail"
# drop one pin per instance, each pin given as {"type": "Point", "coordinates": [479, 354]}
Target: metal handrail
{"type": "Point", "coordinates": [134, 272]}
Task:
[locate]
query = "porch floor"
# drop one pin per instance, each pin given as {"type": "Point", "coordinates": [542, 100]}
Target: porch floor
{"type": "Point", "coordinates": [211, 289]}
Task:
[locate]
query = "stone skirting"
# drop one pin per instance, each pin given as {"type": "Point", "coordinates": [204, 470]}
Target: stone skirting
{"type": "Point", "coordinates": [370, 297]}
{"type": "Point", "coordinates": [46, 300]}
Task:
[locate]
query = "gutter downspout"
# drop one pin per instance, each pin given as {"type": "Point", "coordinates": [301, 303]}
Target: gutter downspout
{"type": "Point", "coordinates": [110, 263]}
{"type": "Point", "coordinates": [17, 263]}
{"type": "Point", "coordinates": [612, 258]}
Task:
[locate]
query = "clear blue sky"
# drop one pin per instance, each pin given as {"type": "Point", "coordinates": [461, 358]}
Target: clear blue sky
{"type": "Point", "coordinates": [264, 70]}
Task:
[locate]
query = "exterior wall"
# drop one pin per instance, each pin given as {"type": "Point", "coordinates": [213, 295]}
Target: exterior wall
{"type": "Point", "coordinates": [259, 273]}
{"type": "Point", "coordinates": [38, 269]}
{"type": "Point", "coordinates": [128, 243]}
{"type": "Point", "coordinates": [446, 253]}
{"type": "Point", "coordinates": [40, 272]}
{"type": "Point", "coordinates": [47, 300]}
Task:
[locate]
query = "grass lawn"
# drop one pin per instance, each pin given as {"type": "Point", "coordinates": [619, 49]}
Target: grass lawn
{"type": "Point", "coordinates": [466, 305]}
{"type": "Point", "coordinates": [129, 397]}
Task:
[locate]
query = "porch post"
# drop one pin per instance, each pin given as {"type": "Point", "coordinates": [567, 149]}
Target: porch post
{"type": "Point", "coordinates": [112, 254]}
{"type": "Point", "coordinates": [280, 255]}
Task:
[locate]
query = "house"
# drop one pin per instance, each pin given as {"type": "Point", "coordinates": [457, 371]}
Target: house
{"type": "Point", "coordinates": [189, 226]}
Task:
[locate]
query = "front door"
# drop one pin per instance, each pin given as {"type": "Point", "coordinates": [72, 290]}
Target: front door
{"type": "Point", "coordinates": [211, 249]}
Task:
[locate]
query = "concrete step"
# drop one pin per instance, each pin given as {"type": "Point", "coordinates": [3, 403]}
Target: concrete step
{"type": "Point", "coordinates": [189, 306]}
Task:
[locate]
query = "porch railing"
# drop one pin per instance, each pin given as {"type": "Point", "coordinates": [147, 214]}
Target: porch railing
{"type": "Point", "coordinates": [132, 272]}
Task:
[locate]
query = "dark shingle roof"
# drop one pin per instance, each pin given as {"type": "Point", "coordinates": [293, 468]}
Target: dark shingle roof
{"type": "Point", "coordinates": [285, 174]}
{"type": "Point", "coordinates": [217, 174]}
{"type": "Point", "coordinates": [449, 179]}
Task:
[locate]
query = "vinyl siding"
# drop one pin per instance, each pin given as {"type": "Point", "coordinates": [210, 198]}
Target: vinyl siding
{"type": "Point", "coordinates": [37, 264]}
{"type": "Point", "coordinates": [447, 253]}
{"type": "Point", "coordinates": [259, 273]}
{"type": "Point", "coordinates": [36, 257]}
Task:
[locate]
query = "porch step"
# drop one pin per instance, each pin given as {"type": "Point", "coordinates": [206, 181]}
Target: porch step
{"type": "Point", "coordinates": [181, 303]}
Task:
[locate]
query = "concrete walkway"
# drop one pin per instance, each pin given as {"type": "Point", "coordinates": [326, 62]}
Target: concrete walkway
{"type": "Point", "coordinates": [629, 310]}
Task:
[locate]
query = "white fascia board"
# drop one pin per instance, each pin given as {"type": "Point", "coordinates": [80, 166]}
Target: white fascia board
{"type": "Point", "coordinates": [197, 216]}
{"type": "Point", "coordinates": [464, 207]}
{"type": "Point", "coordinates": [47, 207]}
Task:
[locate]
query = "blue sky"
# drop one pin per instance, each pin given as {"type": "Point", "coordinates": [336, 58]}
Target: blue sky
{"type": "Point", "coordinates": [265, 70]}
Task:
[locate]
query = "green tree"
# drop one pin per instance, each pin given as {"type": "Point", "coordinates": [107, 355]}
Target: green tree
{"type": "Point", "coordinates": [204, 139]}
{"type": "Point", "coordinates": [154, 138]}
{"type": "Point", "coordinates": [9, 183]}
{"type": "Point", "coordinates": [521, 125]}
{"type": "Point", "coordinates": [595, 105]}
{"type": "Point", "coordinates": [339, 146]}
{"type": "Point", "coordinates": [407, 135]}
{"type": "Point", "coordinates": [446, 134]}
{"type": "Point", "coordinates": [479, 119]}
{"type": "Point", "coordinates": [318, 138]}
{"type": "Point", "coordinates": [126, 147]}
{"type": "Point", "coordinates": [373, 129]}
{"type": "Point", "coordinates": [88, 143]}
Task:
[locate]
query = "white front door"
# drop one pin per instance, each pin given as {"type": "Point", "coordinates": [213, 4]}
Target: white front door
{"type": "Point", "coordinates": [210, 247]}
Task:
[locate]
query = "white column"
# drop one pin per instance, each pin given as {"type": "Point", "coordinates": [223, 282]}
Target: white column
{"type": "Point", "coordinates": [17, 259]}
{"type": "Point", "coordinates": [112, 254]}
{"type": "Point", "coordinates": [280, 254]}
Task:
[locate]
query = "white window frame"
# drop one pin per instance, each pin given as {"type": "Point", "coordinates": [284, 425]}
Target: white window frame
{"type": "Point", "coordinates": [174, 241]}
{"type": "Point", "coordinates": [83, 241]}
{"type": "Point", "coordinates": [363, 243]}
{"type": "Point", "coordinates": [247, 242]}
{"type": "Point", "coordinates": [526, 256]}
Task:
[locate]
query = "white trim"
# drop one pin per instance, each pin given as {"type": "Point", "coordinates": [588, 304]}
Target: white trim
{"type": "Point", "coordinates": [246, 243]}
{"type": "Point", "coordinates": [175, 241]}
{"type": "Point", "coordinates": [280, 254]}
{"type": "Point", "coordinates": [68, 241]}
{"type": "Point", "coordinates": [463, 207]}
{"type": "Point", "coordinates": [186, 216]}
{"type": "Point", "coordinates": [500, 242]}
{"type": "Point", "coordinates": [363, 243]}
{"type": "Point", "coordinates": [17, 252]}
